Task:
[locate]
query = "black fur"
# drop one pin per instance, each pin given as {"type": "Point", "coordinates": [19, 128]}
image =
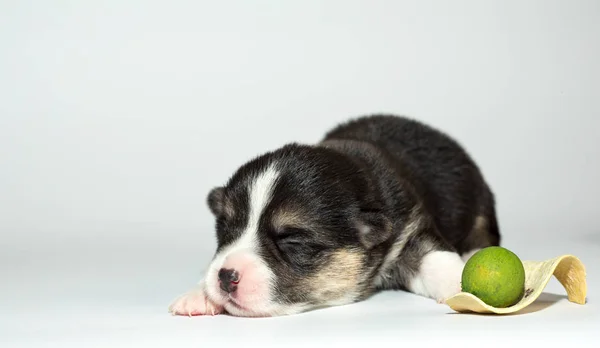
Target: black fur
{"type": "Point", "coordinates": [439, 171]}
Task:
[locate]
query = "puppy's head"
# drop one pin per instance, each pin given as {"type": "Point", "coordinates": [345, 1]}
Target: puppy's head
{"type": "Point", "coordinates": [294, 229]}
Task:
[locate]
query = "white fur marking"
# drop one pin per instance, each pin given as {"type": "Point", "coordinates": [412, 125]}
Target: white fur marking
{"type": "Point", "coordinates": [260, 191]}
{"type": "Point", "coordinates": [439, 275]}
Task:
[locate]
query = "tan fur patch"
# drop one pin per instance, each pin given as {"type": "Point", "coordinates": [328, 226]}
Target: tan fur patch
{"type": "Point", "coordinates": [340, 278]}
{"type": "Point", "coordinates": [289, 218]}
{"type": "Point", "coordinates": [479, 236]}
{"type": "Point", "coordinates": [480, 225]}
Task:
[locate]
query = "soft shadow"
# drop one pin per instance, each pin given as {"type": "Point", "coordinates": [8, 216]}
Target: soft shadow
{"type": "Point", "coordinates": [545, 300]}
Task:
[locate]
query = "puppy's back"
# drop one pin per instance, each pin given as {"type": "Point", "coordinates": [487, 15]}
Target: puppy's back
{"type": "Point", "coordinates": [446, 178]}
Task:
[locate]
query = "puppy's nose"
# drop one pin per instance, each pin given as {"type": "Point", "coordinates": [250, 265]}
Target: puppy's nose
{"type": "Point", "coordinates": [228, 279]}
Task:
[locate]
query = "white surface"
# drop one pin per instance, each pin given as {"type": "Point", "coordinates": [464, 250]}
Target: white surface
{"type": "Point", "coordinates": [93, 300]}
{"type": "Point", "coordinates": [116, 118]}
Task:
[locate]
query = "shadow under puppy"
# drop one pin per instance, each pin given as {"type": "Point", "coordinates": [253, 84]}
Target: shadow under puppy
{"type": "Point", "coordinates": [383, 202]}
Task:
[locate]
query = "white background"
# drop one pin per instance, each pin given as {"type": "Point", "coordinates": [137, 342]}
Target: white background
{"type": "Point", "coordinates": [117, 117]}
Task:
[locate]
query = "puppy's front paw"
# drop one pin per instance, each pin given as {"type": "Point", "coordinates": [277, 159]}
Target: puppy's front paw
{"type": "Point", "coordinates": [447, 291]}
{"type": "Point", "coordinates": [441, 298]}
{"type": "Point", "coordinates": [194, 303]}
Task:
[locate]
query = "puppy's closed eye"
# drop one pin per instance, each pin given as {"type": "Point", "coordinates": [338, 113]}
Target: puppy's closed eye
{"type": "Point", "coordinates": [291, 234]}
{"type": "Point", "coordinates": [291, 239]}
{"type": "Point", "coordinates": [298, 247]}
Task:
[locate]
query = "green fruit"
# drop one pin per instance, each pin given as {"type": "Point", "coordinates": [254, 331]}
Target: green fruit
{"type": "Point", "coordinates": [495, 275]}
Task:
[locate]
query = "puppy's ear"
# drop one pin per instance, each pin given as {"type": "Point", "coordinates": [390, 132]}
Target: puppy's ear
{"type": "Point", "coordinates": [216, 201]}
{"type": "Point", "coordinates": [374, 228]}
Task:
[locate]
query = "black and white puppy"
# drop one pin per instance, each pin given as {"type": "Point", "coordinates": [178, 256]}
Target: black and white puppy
{"type": "Point", "coordinates": [383, 202]}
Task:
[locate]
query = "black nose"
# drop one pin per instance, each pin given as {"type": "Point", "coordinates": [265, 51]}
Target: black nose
{"type": "Point", "coordinates": [229, 279]}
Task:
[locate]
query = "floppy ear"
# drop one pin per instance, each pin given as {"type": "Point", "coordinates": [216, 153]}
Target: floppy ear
{"type": "Point", "coordinates": [216, 201]}
{"type": "Point", "coordinates": [374, 228]}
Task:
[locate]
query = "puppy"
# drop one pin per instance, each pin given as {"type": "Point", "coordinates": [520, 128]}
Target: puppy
{"type": "Point", "coordinates": [383, 202]}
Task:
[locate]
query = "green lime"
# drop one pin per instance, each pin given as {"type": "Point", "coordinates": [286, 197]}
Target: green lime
{"type": "Point", "coordinates": [495, 275]}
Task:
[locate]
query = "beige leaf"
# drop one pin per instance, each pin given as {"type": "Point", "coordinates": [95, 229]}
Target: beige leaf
{"type": "Point", "coordinates": [568, 269]}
